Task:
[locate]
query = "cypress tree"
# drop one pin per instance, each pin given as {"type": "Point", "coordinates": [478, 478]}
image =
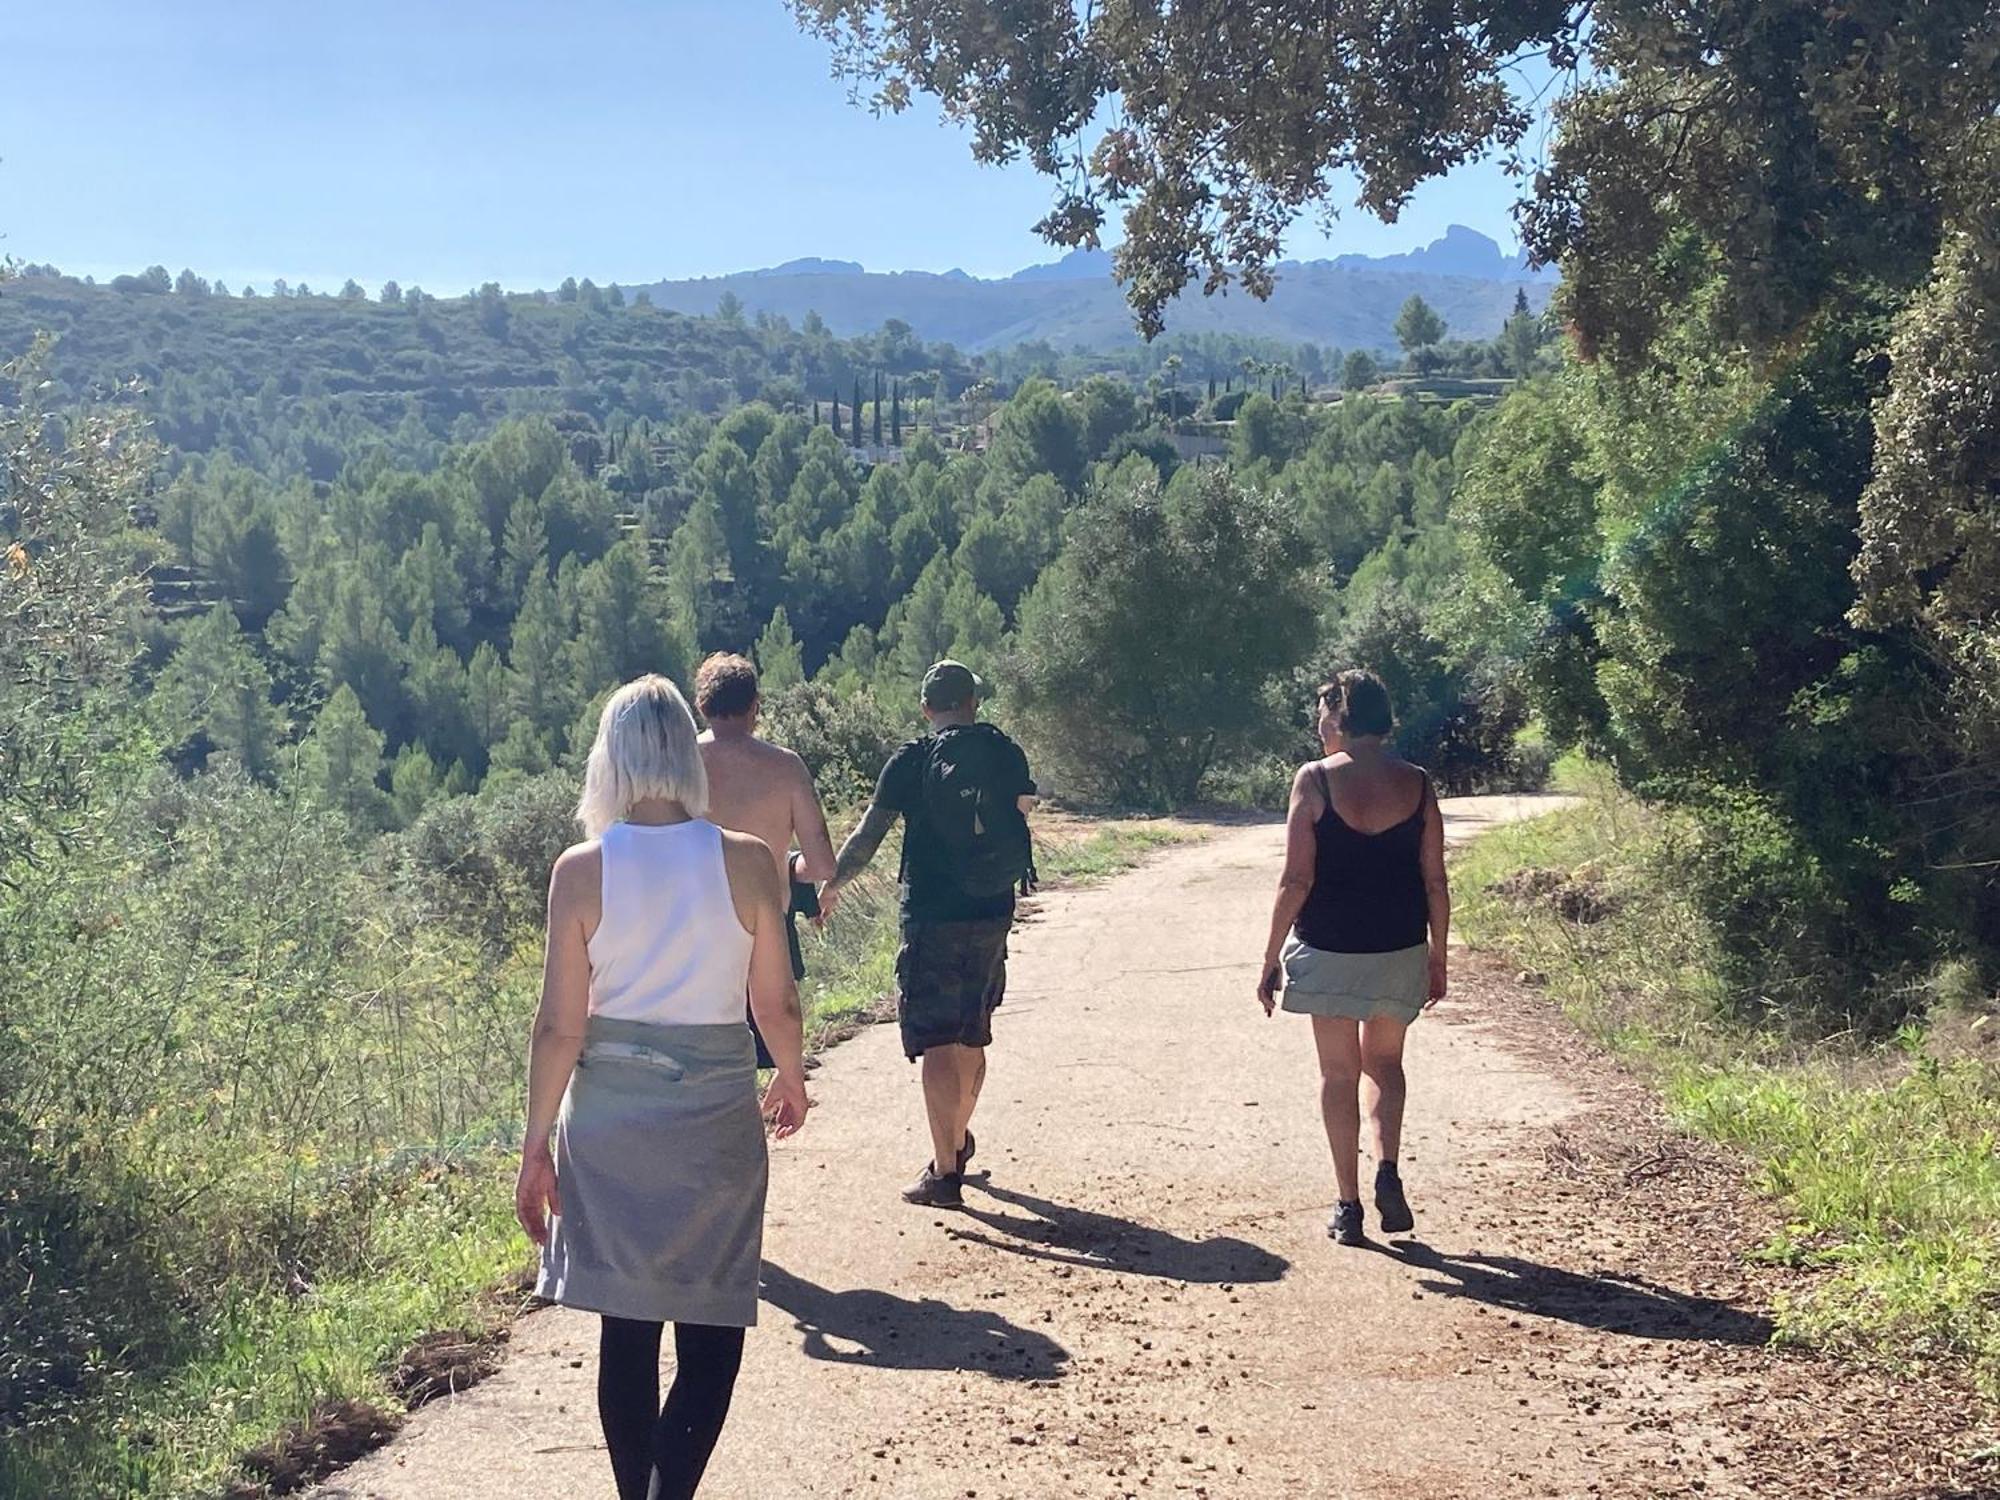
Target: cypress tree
{"type": "Point", "coordinates": [896, 414]}
{"type": "Point", "coordinates": [836, 418]}
{"type": "Point", "coordinates": [815, 413]}
{"type": "Point", "coordinates": [856, 414]}
{"type": "Point", "coordinates": [1211, 388]}
{"type": "Point", "coordinates": [878, 408]}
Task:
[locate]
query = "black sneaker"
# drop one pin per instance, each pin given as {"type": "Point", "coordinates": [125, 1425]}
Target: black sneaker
{"type": "Point", "coordinates": [1345, 1225]}
{"type": "Point", "coordinates": [1390, 1203]}
{"type": "Point", "coordinates": [965, 1153]}
{"type": "Point", "coordinates": [935, 1190]}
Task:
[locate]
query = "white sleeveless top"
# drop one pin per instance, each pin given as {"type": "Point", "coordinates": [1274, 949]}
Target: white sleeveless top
{"type": "Point", "coordinates": [668, 947]}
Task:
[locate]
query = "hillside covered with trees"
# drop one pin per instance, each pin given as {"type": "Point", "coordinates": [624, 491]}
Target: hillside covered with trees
{"type": "Point", "coordinates": [309, 599]}
{"type": "Point", "coordinates": [311, 604]}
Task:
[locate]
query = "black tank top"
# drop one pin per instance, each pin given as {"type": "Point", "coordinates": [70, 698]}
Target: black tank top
{"type": "Point", "coordinates": [1368, 888]}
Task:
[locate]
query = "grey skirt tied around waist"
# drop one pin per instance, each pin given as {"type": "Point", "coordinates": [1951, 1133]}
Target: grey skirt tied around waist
{"type": "Point", "coordinates": [661, 1171]}
{"type": "Point", "coordinates": [1359, 986]}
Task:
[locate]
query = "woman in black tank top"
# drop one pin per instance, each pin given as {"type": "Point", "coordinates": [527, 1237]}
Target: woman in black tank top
{"type": "Point", "coordinates": [1358, 932]}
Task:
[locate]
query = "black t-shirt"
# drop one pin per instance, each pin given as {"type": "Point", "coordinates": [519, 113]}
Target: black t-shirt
{"type": "Point", "coordinates": [930, 892]}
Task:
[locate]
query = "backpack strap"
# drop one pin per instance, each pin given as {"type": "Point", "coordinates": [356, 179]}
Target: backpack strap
{"type": "Point", "coordinates": [929, 742]}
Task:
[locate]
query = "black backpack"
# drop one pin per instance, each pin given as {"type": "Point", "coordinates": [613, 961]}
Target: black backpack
{"type": "Point", "coordinates": [970, 783]}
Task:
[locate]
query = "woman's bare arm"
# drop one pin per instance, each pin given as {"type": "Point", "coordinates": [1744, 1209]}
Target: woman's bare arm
{"type": "Point", "coordinates": [557, 1039]}
{"type": "Point", "coordinates": [1296, 883]}
{"type": "Point", "coordinates": [1437, 890]}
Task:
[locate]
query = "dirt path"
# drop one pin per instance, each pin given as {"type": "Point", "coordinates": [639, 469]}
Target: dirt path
{"type": "Point", "coordinates": [1141, 1299]}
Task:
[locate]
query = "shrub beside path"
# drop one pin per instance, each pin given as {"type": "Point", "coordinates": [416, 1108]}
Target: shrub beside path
{"type": "Point", "coordinates": [1140, 1298]}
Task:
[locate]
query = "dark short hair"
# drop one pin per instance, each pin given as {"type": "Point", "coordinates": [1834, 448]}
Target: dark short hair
{"type": "Point", "coordinates": [726, 686]}
{"type": "Point", "coordinates": [1359, 701]}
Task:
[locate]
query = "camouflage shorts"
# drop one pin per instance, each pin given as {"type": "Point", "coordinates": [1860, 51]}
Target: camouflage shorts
{"type": "Point", "coordinates": [949, 977]}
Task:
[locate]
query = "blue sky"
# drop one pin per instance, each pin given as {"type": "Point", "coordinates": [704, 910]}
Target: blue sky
{"type": "Point", "coordinates": [446, 145]}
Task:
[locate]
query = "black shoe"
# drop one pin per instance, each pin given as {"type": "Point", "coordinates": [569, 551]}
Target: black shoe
{"type": "Point", "coordinates": [1390, 1203]}
{"type": "Point", "coordinates": [965, 1153]}
{"type": "Point", "coordinates": [934, 1190]}
{"type": "Point", "coordinates": [1345, 1225]}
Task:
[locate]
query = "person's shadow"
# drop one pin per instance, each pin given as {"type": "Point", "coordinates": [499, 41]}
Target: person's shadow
{"type": "Point", "coordinates": [896, 1333]}
{"type": "Point", "coordinates": [1078, 1237]}
{"type": "Point", "coordinates": [1608, 1302]}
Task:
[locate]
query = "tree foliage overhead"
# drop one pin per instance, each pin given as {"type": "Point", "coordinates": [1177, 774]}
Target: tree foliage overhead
{"type": "Point", "coordinates": [1228, 118]}
{"type": "Point", "coordinates": [1787, 143]}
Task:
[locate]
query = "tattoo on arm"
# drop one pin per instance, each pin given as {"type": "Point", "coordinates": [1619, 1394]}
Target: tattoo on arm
{"type": "Point", "coordinates": [863, 842]}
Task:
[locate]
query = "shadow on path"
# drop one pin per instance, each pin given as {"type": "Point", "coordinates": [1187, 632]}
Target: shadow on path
{"type": "Point", "coordinates": [895, 1333]}
{"type": "Point", "coordinates": [1078, 1237]}
{"type": "Point", "coordinates": [1608, 1302]}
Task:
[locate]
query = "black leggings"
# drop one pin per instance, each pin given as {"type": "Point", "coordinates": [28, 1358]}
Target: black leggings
{"type": "Point", "coordinates": [658, 1452]}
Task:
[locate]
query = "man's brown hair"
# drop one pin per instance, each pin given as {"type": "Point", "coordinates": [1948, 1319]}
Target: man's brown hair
{"type": "Point", "coordinates": [726, 686]}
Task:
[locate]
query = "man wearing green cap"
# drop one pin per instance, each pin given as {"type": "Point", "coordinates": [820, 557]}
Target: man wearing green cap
{"type": "Point", "coordinates": [964, 793]}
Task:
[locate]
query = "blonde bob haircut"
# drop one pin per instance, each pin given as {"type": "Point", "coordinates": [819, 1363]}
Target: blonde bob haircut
{"type": "Point", "coordinates": [645, 747]}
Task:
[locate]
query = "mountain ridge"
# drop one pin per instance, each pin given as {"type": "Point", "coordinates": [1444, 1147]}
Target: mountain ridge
{"type": "Point", "coordinates": [1349, 302]}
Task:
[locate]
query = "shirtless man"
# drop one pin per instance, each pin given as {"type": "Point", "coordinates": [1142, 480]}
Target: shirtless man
{"type": "Point", "coordinates": [759, 788]}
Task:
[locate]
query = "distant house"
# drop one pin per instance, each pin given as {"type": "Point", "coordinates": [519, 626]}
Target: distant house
{"type": "Point", "coordinates": [868, 455]}
{"type": "Point", "coordinates": [1193, 447]}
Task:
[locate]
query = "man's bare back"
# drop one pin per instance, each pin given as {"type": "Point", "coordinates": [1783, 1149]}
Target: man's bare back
{"type": "Point", "coordinates": [765, 790]}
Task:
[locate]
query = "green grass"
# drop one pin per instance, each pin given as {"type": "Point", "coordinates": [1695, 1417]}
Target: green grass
{"type": "Point", "coordinates": [1886, 1160]}
{"type": "Point", "coordinates": [1102, 850]}
{"type": "Point", "coordinates": [264, 1359]}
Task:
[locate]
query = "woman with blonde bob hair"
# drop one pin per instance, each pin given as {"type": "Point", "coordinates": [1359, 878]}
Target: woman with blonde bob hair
{"type": "Point", "coordinates": [649, 1207]}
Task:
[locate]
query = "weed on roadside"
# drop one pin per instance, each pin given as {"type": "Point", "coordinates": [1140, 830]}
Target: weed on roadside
{"type": "Point", "coordinates": [1885, 1156]}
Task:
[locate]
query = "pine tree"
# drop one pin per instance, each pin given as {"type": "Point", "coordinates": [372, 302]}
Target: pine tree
{"type": "Point", "coordinates": [544, 691]}
{"type": "Point", "coordinates": [435, 686]}
{"type": "Point", "coordinates": [779, 662]}
{"type": "Point", "coordinates": [621, 632]}
{"type": "Point", "coordinates": [486, 696]}
{"type": "Point", "coordinates": [360, 648]}
{"type": "Point", "coordinates": [524, 550]}
{"type": "Point", "coordinates": [695, 560]}
{"type": "Point", "coordinates": [524, 752]}
{"type": "Point", "coordinates": [342, 759]}
{"type": "Point", "coordinates": [216, 684]}
{"type": "Point", "coordinates": [413, 781]}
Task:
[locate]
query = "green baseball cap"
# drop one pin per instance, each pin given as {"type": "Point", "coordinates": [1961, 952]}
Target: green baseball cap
{"type": "Point", "coordinates": [949, 683]}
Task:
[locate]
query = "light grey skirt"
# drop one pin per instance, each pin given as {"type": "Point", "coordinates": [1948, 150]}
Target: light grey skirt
{"type": "Point", "coordinates": [1360, 986]}
{"type": "Point", "coordinates": [661, 1170]}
